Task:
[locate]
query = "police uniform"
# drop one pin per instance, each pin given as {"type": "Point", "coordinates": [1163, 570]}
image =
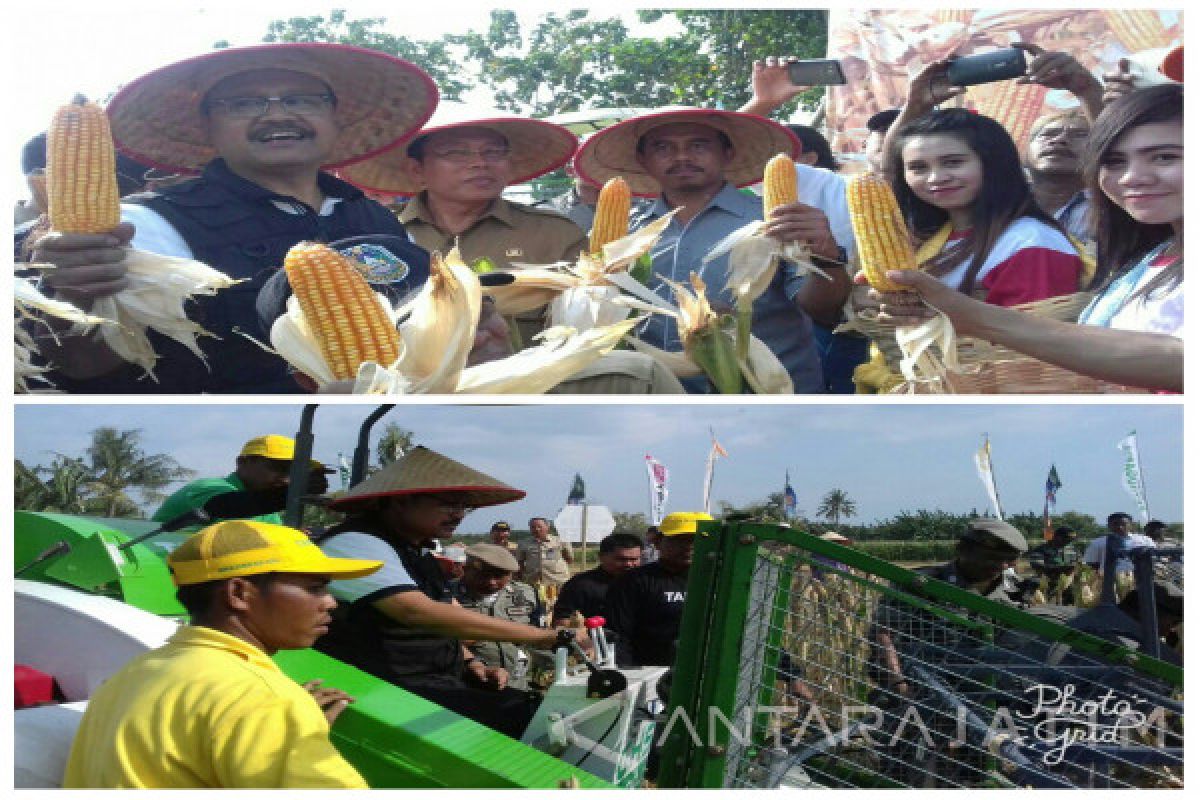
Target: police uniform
{"type": "Point", "coordinates": [517, 602]}
{"type": "Point", "coordinates": [508, 233]}
{"type": "Point", "coordinates": [543, 562]}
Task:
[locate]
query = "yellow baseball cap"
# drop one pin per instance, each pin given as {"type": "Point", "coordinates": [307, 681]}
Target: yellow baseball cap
{"type": "Point", "coordinates": [274, 447]}
{"type": "Point", "coordinates": [681, 523]}
{"type": "Point", "coordinates": [239, 547]}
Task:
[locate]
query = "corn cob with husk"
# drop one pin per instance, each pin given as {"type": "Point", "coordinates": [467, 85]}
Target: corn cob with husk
{"type": "Point", "coordinates": [754, 257]}
{"type": "Point", "coordinates": [1138, 29]}
{"type": "Point", "coordinates": [879, 230]}
{"type": "Point", "coordinates": [709, 349]}
{"type": "Point", "coordinates": [334, 321]}
{"type": "Point", "coordinates": [82, 198]}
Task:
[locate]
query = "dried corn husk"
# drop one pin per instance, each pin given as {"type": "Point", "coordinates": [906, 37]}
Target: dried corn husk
{"type": "Point", "coordinates": [561, 354]}
{"type": "Point", "coordinates": [27, 300]}
{"type": "Point", "coordinates": [594, 300]}
{"type": "Point", "coordinates": [294, 340]}
{"type": "Point", "coordinates": [158, 288]}
{"type": "Point", "coordinates": [439, 325]}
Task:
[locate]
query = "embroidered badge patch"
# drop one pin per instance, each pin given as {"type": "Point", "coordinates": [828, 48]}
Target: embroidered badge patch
{"type": "Point", "coordinates": [377, 264]}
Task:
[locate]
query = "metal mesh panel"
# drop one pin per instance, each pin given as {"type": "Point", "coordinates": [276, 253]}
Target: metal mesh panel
{"type": "Point", "coordinates": [844, 680]}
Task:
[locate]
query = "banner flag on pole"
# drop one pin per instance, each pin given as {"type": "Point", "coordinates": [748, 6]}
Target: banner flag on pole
{"type": "Point", "coordinates": [343, 471]}
{"type": "Point", "coordinates": [657, 474]}
{"type": "Point", "coordinates": [1053, 484]}
{"type": "Point", "coordinates": [983, 465]}
{"type": "Point", "coordinates": [789, 497]}
{"type": "Point", "coordinates": [714, 452]}
{"type": "Point", "coordinates": [1132, 475]}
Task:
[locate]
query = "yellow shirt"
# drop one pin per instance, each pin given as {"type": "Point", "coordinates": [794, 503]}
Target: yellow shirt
{"type": "Point", "coordinates": [205, 710]}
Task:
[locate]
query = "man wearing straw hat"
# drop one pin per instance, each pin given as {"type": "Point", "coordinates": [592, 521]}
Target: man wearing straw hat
{"type": "Point", "coordinates": [694, 160]}
{"type": "Point", "coordinates": [400, 623]}
{"type": "Point", "coordinates": [210, 709]}
{"type": "Point", "coordinates": [260, 124]}
{"type": "Point", "coordinates": [456, 169]}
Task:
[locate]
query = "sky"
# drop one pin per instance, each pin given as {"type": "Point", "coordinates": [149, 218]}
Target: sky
{"type": "Point", "coordinates": [888, 458]}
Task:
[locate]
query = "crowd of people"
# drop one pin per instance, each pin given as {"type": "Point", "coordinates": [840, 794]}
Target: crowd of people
{"type": "Point", "coordinates": [292, 141]}
{"type": "Point", "coordinates": [373, 592]}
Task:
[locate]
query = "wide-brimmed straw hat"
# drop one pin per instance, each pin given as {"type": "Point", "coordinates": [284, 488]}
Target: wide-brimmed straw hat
{"type": "Point", "coordinates": [613, 151]}
{"type": "Point", "coordinates": [422, 471]}
{"type": "Point", "coordinates": [537, 147]}
{"type": "Point", "coordinates": [381, 100]}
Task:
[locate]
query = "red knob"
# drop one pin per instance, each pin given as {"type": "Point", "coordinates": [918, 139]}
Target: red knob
{"type": "Point", "coordinates": [594, 622]}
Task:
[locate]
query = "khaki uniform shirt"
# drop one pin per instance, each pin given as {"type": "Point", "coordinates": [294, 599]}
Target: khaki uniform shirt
{"type": "Point", "coordinates": [545, 562]}
{"type": "Point", "coordinates": [507, 233]}
{"type": "Point", "coordinates": [517, 602]}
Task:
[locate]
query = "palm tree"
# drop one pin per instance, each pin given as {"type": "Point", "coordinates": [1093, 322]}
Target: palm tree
{"type": "Point", "coordinates": [117, 464]}
{"type": "Point", "coordinates": [835, 505]}
{"type": "Point", "coordinates": [62, 490]}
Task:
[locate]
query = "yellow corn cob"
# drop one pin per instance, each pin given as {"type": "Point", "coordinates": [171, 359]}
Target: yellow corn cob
{"type": "Point", "coordinates": [879, 230]}
{"type": "Point", "coordinates": [779, 184]}
{"type": "Point", "coordinates": [341, 309]}
{"type": "Point", "coordinates": [612, 214]}
{"type": "Point", "coordinates": [81, 170]}
{"type": "Point", "coordinates": [1137, 30]}
{"type": "Point", "coordinates": [1015, 106]}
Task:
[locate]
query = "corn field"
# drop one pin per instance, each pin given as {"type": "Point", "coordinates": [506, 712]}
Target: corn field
{"type": "Point", "coordinates": [846, 678]}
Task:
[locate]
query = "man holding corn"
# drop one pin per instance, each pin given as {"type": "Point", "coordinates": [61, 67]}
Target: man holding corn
{"type": "Point", "coordinates": [261, 123]}
{"type": "Point", "coordinates": [693, 160]}
{"type": "Point", "coordinates": [456, 170]}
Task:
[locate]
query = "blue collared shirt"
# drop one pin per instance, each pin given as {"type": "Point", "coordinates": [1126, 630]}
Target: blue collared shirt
{"type": "Point", "coordinates": [778, 322]}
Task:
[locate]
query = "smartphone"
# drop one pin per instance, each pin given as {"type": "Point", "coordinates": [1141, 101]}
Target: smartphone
{"type": "Point", "coordinates": [816, 72]}
{"type": "Point", "coordinates": [997, 65]}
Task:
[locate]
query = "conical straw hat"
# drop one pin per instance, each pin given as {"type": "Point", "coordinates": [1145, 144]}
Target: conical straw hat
{"type": "Point", "coordinates": [422, 471]}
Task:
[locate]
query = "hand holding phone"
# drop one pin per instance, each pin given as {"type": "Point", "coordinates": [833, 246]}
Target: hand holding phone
{"type": "Point", "coordinates": [996, 65]}
{"type": "Point", "coordinates": [816, 72]}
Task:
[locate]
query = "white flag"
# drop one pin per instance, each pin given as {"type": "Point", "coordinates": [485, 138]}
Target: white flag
{"type": "Point", "coordinates": [1132, 475]}
{"type": "Point", "coordinates": [983, 465]}
{"type": "Point", "coordinates": [714, 452]}
{"type": "Point", "coordinates": [656, 472]}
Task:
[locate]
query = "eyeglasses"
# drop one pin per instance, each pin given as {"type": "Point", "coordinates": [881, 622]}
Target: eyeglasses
{"type": "Point", "coordinates": [461, 155]}
{"type": "Point", "coordinates": [454, 506]}
{"type": "Point", "coordinates": [303, 105]}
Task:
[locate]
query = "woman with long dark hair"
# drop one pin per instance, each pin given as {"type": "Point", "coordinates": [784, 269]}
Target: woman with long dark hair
{"type": "Point", "coordinates": [1133, 332]}
{"type": "Point", "coordinates": [961, 187]}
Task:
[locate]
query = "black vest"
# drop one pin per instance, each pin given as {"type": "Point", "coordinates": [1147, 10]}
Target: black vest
{"type": "Point", "coordinates": [233, 225]}
{"type": "Point", "coordinates": [375, 643]}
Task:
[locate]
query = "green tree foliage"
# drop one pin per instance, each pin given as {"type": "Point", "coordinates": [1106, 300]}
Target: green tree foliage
{"type": "Point", "coordinates": [394, 443]}
{"type": "Point", "coordinates": [117, 466]}
{"type": "Point", "coordinates": [104, 481]}
{"type": "Point", "coordinates": [836, 504]}
{"type": "Point", "coordinates": [770, 511]}
{"type": "Point", "coordinates": [434, 57]}
{"type": "Point", "coordinates": [567, 61]}
{"type": "Point", "coordinates": [635, 523]}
